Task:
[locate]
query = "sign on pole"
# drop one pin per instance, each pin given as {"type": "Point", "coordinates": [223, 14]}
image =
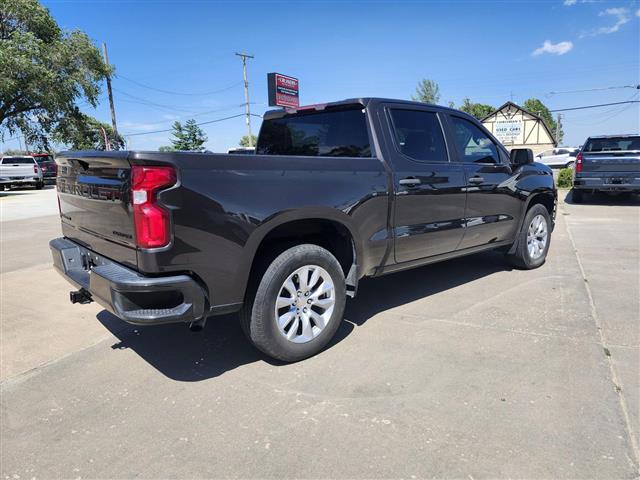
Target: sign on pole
{"type": "Point", "coordinates": [283, 90]}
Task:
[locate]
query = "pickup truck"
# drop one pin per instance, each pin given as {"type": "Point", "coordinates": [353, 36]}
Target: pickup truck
{"type": "Point", "coordinates": [607, 164]}
{"type": "Point", "coordinates": [334, 193]}
{"type": "Point", "coordinates": [20, 171]}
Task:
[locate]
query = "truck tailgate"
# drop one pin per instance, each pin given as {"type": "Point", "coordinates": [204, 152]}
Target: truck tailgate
{"type": "Point", "coordinates": [95, 206]}
{"type": "Point", "coordinates": [611, 162]}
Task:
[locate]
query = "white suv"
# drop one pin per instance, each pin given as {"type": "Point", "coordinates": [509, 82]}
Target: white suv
{"type": "Point", "coordinates": [558, 157]}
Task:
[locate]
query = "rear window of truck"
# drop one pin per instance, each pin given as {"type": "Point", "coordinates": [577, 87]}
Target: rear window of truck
{"type": "Point", "coordinates": [612, 144]}
{"type": "Point", "coordinates": [338, 133]}
{"type": "Point", "coordinates": [18, 161]}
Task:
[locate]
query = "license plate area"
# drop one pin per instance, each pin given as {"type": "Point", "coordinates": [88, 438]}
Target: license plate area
{"type": "Point", "coordinates": [618, 180]}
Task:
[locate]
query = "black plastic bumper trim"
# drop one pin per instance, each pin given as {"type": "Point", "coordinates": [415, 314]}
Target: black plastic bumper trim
{"type": "Point", "coordinates": [121, 290]}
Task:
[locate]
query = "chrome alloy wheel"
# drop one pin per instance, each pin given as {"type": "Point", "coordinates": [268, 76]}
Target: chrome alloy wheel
{"type": "Point", "coordinates": [537, 236]}
{"type": "Point", "coordinates": [305, 303]}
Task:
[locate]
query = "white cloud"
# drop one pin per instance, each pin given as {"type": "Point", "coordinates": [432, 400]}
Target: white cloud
{"type": "Point", "coordinates": [559, 48]}
{"type": "Point", "coordinates": [621, 16]}
{"type": "Point", "coordinates": [638, 13]}
{"type": "Point", "coordinates": [569, 3]}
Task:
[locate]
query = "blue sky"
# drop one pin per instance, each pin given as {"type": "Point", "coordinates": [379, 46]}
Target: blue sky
{"type": "Point", "coordinates": [487, 51]}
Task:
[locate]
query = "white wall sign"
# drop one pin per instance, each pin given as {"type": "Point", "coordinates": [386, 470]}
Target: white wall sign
{"type": "Point", "coordinates": [508, 131]}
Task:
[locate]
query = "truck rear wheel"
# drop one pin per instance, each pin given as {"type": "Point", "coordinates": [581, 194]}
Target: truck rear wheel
{"type": "Point", "coordinates": [532, 243]}
{"type": "Point", "coordinates": [297, 307]}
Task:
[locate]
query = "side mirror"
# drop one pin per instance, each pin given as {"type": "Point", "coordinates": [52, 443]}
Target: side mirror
{"type": "Point", "coordinates": [521, 156]}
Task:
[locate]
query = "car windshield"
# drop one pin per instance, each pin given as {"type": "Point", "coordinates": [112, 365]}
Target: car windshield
{"type": "Point", "coordinates": [44, 159]}
{"type": "Point", "coordinates": [612, 144]}
{"type": "Point", "coordinates": [17, 161]}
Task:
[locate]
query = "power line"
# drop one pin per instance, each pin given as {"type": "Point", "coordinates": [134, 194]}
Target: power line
{"type": "Point", "coordinates": [637, 87]}
{"type": "Point", "coordinates": [198, 124]}
{"type": "Point", "coordinates": [594, 106]}
{"type": "Point", "coordinates": [169, 92]}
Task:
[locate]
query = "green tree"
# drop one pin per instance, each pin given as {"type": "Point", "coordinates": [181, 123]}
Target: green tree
{"type": "Point", "coordinates": [244, 141]}
{"type": "Point", "coordinates": [427, 91]}
{"type": "Point", "coordinates": [536, 106]}
{"type": "Point", "coordinates": [82, 132]}
{"type": "Point", "coordinates": [188, 136]}
{"type": "Point", "coordinates": [166, 148]}
{"type": "Point", "coordinates": [478, 110]}
{"type": "Point", "coordinates": [45, 71]}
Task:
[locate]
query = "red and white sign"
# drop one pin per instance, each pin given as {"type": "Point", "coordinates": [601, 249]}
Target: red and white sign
{"type": "Point", "coordinates": [284, 91]}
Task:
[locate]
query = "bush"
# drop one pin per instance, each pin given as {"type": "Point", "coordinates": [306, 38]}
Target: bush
{"type": "Point", "coordinates": [565, 178]}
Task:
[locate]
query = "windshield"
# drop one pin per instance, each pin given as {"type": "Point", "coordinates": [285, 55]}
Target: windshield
{"type": "Point", "coordinates": [17, 161]}
{"type": "Point", "coordinates": [612, 144]}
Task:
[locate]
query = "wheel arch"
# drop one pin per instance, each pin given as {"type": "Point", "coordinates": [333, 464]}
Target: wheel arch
{"type": "Point", "coordinates": [327, 228]}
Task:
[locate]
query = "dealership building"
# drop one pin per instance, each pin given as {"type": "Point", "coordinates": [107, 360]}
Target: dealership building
{"type": "Point", "coordinates": [516, 127]}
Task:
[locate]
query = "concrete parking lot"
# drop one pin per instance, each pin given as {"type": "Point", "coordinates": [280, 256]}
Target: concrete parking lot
{"type": "Point", "coordinates": [465, 369]}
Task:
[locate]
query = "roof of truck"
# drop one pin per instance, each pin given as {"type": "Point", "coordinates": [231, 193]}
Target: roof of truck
{"type": "Point", "coordinates": [364, 101]}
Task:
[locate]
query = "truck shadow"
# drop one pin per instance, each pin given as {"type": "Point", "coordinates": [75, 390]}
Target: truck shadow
{"type": "Point", "coordinates": [190, 357]}
{"type": "Point", "coordinates": [607, 200]}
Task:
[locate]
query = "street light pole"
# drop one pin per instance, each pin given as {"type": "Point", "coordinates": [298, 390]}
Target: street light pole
{"type": "Point", "coordinates": [244, 57]}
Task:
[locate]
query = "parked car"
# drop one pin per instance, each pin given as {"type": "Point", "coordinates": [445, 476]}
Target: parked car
{"type": "Point", "coordinates": [561, 157]}
{"type": "Point", "coordinates": [20, 171]}
{"type": "Point", "coordinates": [608, 163]}
{"type": "Point", "coordinates": [334, 193]}
{"type": "Point", "coordinates": [48, 166]}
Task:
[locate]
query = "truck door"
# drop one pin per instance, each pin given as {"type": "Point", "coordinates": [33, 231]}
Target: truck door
{"type": "Point", "coordinates": [493, 205]}
{"type": "Point", "coordinates": [429, 188]}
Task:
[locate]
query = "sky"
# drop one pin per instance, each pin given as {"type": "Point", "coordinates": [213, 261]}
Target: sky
{"type": "Point", "coordinates": [175, 60]}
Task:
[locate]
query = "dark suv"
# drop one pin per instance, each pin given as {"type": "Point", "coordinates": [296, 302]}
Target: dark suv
{"type": "Point", "coordinates": [48, 166]}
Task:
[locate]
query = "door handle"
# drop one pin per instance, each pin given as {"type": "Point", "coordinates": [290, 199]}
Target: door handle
{"type": "Point", "coordinates": [477, 180]}
{"type": "Point", "coordinates": [410, 182]}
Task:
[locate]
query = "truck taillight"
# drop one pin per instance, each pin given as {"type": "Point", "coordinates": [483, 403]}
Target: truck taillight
{"type": "Point", "coordinates": [35, 168]}
{"type": "Point", "coordinates": [579, 162]}
{"type": "Point", "coordinates": [152, 223]}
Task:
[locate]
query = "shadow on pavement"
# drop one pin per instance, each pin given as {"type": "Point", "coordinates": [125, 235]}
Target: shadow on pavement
{"type": "Point", "coordinates": [605, 199]}
{"type": "Point", "coordinates": [189, 357]}
{"type": "Point", "coordinates": [23, 191]}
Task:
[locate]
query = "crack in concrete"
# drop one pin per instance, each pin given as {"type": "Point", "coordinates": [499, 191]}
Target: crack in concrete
{"type": "Point", "coordinates": [615, 378]}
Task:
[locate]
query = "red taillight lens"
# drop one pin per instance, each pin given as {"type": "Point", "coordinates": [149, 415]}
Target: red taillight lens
{"type": "Point", "coordinates": [35, 169]}
{"type": "Point", "coordinates": [151, 220]}
{"type": "Point", "coordinates": [579, 162]}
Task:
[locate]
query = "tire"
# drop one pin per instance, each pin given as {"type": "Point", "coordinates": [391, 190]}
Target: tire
{"type": "Point", "coordinates": [569, 165]}
{"type": "Point", "coordinates": [39, 185]}
{"type": "Point", "coordinates": [260, 319]}
{"type": "Point", "coordinates": [577, 196]}
{"type": "Point", "coordinates": [527, 254]}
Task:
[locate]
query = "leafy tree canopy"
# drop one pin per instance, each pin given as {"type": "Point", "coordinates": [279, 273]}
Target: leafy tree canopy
{"type": "Point", "coordinates": [478, 110]}
{"type": "Point", "coordinates": [82, 132]}
{"type": "Point", "coordinates": [536, 106]}
{"type": "Point", "coordinates": [427, 91]}
{"type": "Point", "coordinates": [45, 71]}
{"type": "Point", "coordinates": [188, 136]}
{"type": "Point", "coordinates": [244, 141]}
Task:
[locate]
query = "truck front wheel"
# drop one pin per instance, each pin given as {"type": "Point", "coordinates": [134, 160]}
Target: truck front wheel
{"type": "Point", "coordinates": [532, 243]}
{"type": "Point", "coordinates": [297, 306]}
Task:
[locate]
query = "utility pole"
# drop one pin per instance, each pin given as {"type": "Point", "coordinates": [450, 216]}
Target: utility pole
{"type": "Point", "coordinates": [113, 109]}
{"type": "Point", "coordinates": [244, 57]}
{"type": "Point", "coordinates": [558, 127]}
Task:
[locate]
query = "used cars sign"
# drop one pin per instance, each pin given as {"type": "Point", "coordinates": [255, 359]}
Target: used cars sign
{"type": "Point", "coordinates": [283, 90]}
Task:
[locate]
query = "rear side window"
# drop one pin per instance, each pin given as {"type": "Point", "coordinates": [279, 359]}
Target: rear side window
{"type": "Point", "coordinates": [474, 146]}
{"type": "Point", "coordinates": [612, 144]}
{"type": "Point", "coordinates": [18, 161]}
{"type": "Point", "coordinates": [418, 135]}
{"type": "Point", "coordinates": [338, 133]}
